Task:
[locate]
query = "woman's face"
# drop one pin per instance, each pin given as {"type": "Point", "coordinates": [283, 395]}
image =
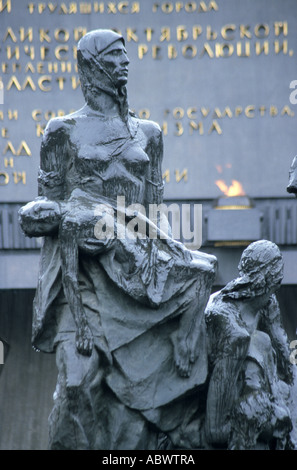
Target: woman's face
{"type": "Point", "coordinates": [115, 61]}
{"type": "Point", "coordinates": [274, 275]}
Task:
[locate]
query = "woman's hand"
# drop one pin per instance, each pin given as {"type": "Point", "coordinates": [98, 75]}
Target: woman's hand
{"type": "Point", "coordinates": [183, 355]}
{"type": "Point", "coordinates": [84, 340]}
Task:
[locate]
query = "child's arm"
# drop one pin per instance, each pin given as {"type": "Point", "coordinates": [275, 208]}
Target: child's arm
{"type": "Point", "coordinates": [69, 257]}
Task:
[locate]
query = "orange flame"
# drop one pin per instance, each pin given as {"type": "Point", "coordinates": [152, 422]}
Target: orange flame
{"type": "Point", "coordinates": [235, 189]}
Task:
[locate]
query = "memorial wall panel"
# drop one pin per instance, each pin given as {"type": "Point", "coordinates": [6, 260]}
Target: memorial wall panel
{"type": "Point", "coordinates": [218, 76]}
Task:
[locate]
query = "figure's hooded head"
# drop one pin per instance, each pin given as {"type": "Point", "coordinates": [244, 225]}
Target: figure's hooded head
{"type": "Point", "coordinates": [260, 270]}
{"type": "Point", "coordinates": [93, 72]}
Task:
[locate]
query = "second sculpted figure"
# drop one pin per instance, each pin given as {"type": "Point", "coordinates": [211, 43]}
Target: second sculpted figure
{"type": "Point", "coordinates": [249, 398]}
{"type": "Point", "coordinates": [250, 403]}
{"type": "Point", "coordinates": [125, 315]}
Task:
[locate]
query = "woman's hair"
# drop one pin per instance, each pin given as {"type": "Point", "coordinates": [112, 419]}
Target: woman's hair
{"type": "Point", "coordinates": [260, 268]}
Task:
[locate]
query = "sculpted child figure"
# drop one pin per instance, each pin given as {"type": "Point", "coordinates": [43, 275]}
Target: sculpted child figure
{"type": "Point", "coordinates": [125, 316]}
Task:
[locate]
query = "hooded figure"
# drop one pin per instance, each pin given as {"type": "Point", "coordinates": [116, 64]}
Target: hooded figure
{"type": "Point", "coordinates": [92, 73]}
{"type": "Point", "coordinates": [124, 316]}
{"type": "Point", "coordinates": [250, 375]}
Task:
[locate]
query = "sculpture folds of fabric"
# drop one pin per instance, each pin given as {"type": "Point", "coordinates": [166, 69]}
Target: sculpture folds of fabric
{"type": "Point", "coordinates": [124, 314]}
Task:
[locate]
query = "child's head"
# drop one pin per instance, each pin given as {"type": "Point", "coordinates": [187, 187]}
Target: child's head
{"type": "Point", "coordinates": [40, 217]}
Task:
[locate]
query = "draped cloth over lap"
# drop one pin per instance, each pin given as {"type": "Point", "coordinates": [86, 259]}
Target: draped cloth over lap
{"type": "Point", "coordinates": [133, 308]}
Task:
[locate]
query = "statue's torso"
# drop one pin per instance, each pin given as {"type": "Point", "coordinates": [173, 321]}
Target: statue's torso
{"type": "Point", "coordinates": [106, 159]}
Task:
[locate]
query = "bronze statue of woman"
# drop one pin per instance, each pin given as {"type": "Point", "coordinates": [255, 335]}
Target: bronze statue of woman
{"type": "Point", "coordinates": [124, 315]}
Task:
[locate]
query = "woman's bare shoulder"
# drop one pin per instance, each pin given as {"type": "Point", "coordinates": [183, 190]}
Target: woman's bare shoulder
{"type": "Point", "coordinates": [150, 128]}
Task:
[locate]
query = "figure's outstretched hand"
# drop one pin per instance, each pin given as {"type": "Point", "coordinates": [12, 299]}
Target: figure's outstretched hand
{"type": "Point", "coordinates": [84, 340]}
{"type": "Point", "coordinates": [183, 356]}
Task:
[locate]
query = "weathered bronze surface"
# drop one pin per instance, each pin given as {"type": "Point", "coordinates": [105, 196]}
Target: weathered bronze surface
{"type": "Point", "coordinates": [146, 358]}
{"type": "Point", "coordinates": [124, 314]}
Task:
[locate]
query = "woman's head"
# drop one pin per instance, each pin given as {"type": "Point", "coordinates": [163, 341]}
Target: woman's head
{"type": "Point", "coordinates": [102, 62]}
{"type": "Point", "coordinates": [265, 259]}
{"type": "Point", "coordinates": [260, 269]}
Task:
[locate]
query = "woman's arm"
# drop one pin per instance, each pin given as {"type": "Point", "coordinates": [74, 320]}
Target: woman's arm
{"type": "Point", "coordinates": [53, 159]}
{"type": "Point", "coordinates": [41, 216]}
{"type": "Point", "coordinates": [154, 180]}
{"type": "Point", "coordinates": [154, 150]}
